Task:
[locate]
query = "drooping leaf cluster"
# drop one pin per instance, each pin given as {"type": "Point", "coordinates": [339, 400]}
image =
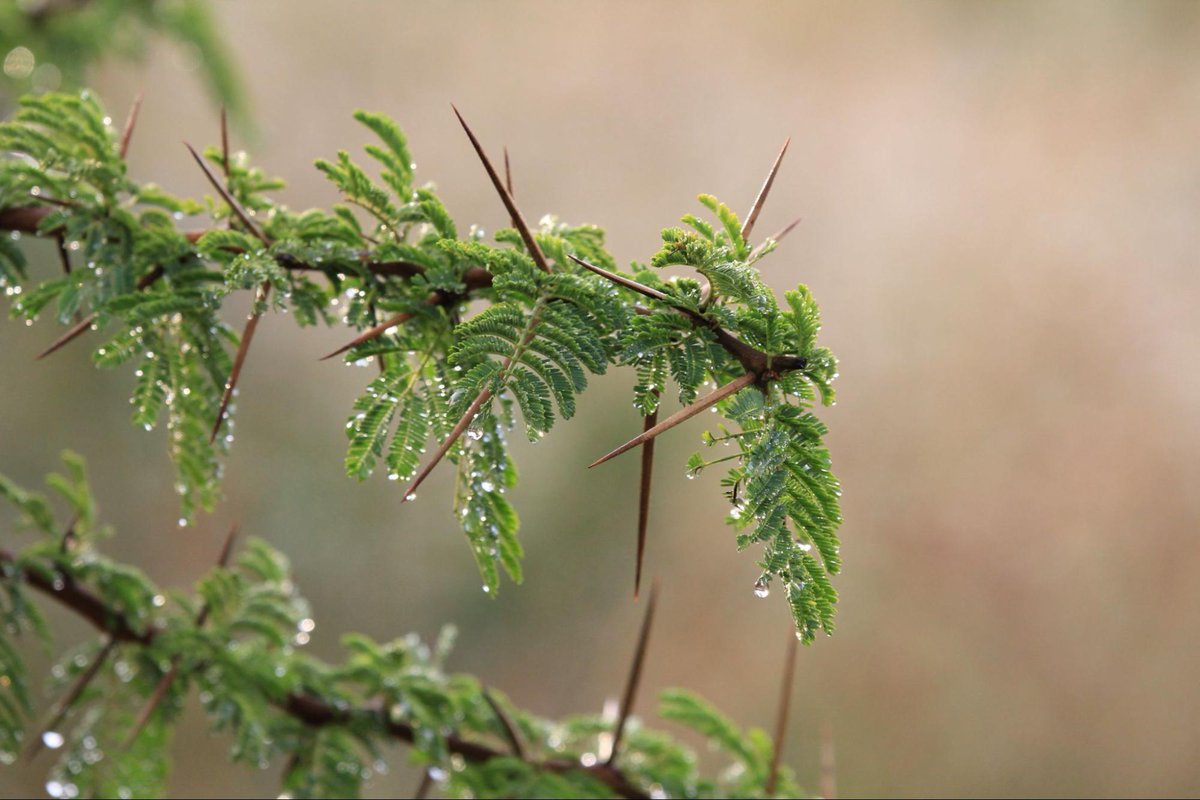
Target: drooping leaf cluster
{"type": "Point", "coordinates": [472, 336]}
{"type": "Point", "coordinates": [238, 643]}
{"type": "Point", "coordinates": [779, 483]}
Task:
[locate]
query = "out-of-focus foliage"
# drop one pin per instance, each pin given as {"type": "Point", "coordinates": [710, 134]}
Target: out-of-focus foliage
{"type": "Point", "coordinates": [46, 45]}
{"type": "Point", "coordinates": [237, 640]}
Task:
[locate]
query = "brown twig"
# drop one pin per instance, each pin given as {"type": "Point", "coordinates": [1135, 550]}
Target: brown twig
{"type": "Point", "coordinates": [69, 699]}
{"type": "Point", "coordinates": [644, 499]}
{"type": "Point", "coordinates": [71, 334]}
{"type": "Point", "coordinates": [63, 588]}
{"type": "Point", "coordinates": [508, 182]}
{"type": "Point", "coordinates": [241, 213]}
{"type": "Point", "coordinates": [424, 786]}
{"type": "Point", "coordinates": [85, 324]}
{"type": "Point", "coordinates": [264, 293]}
{"type": "Point", "coordinates": [621, 280]}
{"type": "Point", "coordinates": [63, 256]}
{"type": "Point", "coordinates": [459, 428]}
{"type": "Point", "coordinates": [777, 238]}
{"type": "Point", "coordinates": [130, 123]}
{"type": "Point", "coordinates": [751, 358]}
{"type": "Point", "coordinates": [510, 731]}
{"type": "Point", "coordinates": [27, 219]}
{"type": "Point", "coordinates": [635, 673]}
{"type": "Point", "coordinates": [156, 697]}
{"type": "Point", "coordinates": [306, 708]}
{"type": "Point", "coordinates": [371, 333]}
{"type": "Point", "coordinates": [438, 298]}
{"type": "Point", "coordinates": [682, 415]}
{"type": "Point", "coordinates": [535, 252]}
{"type": "Point", "coordinates": [781, 717]}
{"type": "Point", "coordinates": [752, 217]}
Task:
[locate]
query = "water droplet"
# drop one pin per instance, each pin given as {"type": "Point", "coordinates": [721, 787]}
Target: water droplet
{"type": "Point", "coordinates": [760, 587]}
{"type": "Point", "coordinates": [408, 498]}
{"type": "Point", "coordinates": [307, 625]}
{"type": "Point", "coordinates": [53, 739]}
{"type": "Point", "coordinates": [487, 486]}
{"type": "Point", "coordinates": [183, 522]}
{"type": "Point", "coordinates": [486, 589]}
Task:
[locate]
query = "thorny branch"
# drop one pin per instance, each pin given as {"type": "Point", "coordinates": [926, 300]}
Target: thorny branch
{"type": "Point", "coordinates": [760, 367]}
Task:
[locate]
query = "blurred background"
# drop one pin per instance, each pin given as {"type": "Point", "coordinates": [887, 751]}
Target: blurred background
{"type": "Point", "coordinates": [999, 207]}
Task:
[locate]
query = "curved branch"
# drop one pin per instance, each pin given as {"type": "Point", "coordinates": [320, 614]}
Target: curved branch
{"type": "Point", "coordinates": [26, 219]}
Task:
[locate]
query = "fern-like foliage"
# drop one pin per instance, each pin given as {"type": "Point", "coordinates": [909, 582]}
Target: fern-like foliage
{"type": "Point", "coordinates": [471, 334]}
{"type": "Point", "coordinates": [237, 642]}
{"type": "Point", "coordinates": [532, 348]}
{"type": "Point", "coordinates": [779, 483]}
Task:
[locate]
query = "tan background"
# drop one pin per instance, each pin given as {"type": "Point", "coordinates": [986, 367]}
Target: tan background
{"type": "Point", "coordinates": [999, 209]}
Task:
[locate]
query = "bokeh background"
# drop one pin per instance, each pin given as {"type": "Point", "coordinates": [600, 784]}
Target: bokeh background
{"type": "Point", "coordinates": [1000, 222]}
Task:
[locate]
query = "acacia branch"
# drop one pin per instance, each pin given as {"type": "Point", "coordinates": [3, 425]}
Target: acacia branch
{"type": "Point", "coordinates": [305, 708]}
{"type": "Point", "coordinates": [28, 219]}
{"type": "Point", "coordinates": [753, 359]}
